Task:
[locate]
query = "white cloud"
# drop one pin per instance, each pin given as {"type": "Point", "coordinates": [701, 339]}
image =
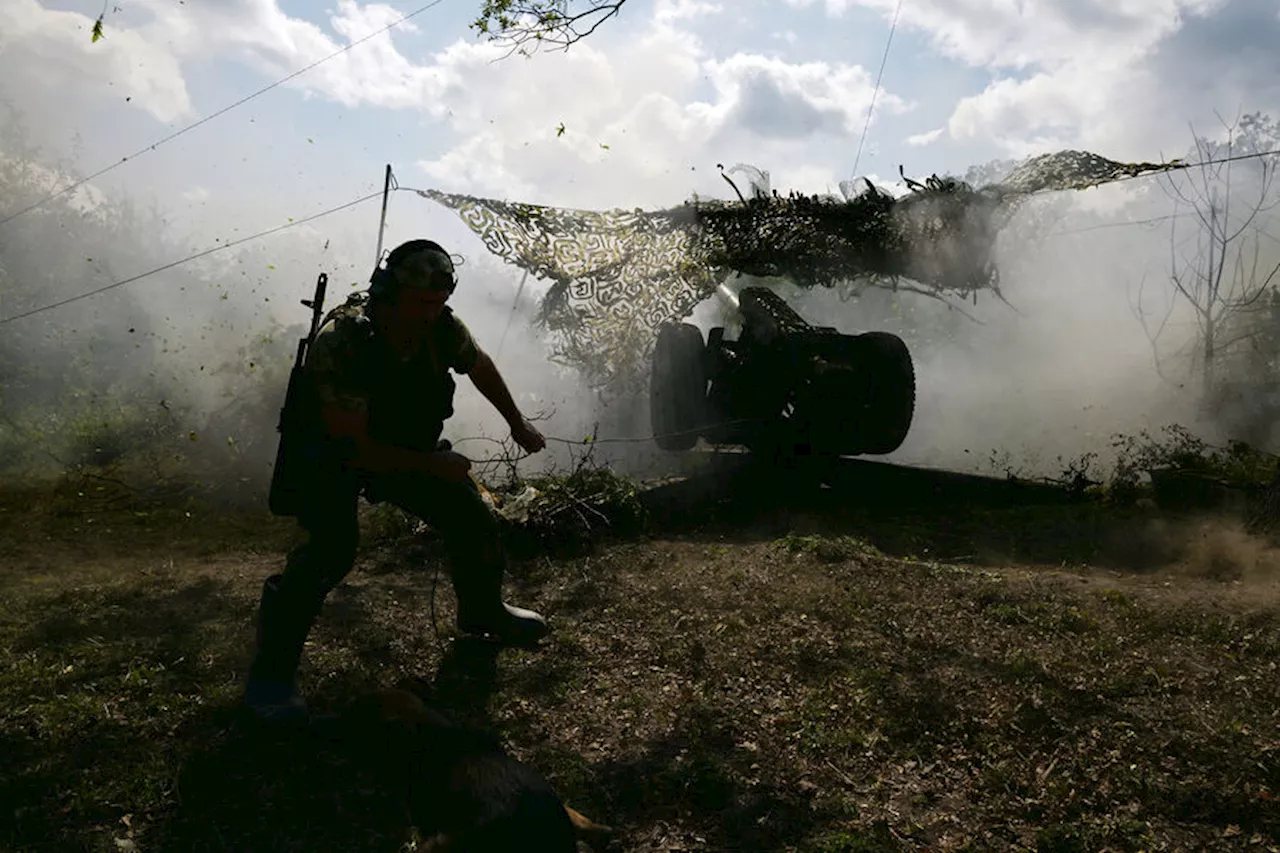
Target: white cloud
{"type": "Point", "coordinates": [259, 33]}
{"type": "Point", "coordinates": [1094, 73]}
{"type": "Point", "coordinates": [773, 98]}
{"type": "Point", "coordinates": [638, 118]}
{"type": "Point", "coordinates": [642, 100]}
{"type": "Point", "coordinates": [668, 11]}
{"type": "Point", "coordinates": [927, 138]}
{"type": "Point", "coordinates": [124, 62]}
{"type": "Point", "coordinates": [810, 180]}
{"type": "Point", "coordinates": [1038, 33]}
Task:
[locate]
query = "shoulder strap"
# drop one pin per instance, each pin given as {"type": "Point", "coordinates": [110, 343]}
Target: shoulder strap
{"type": "Point", "coordinates": [349, 313]}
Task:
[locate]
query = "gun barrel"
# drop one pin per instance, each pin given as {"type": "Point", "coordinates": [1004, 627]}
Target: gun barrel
{"type": "Point", "coordinates": [317, 304]}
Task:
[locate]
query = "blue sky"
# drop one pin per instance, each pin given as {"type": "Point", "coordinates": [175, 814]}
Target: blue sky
{"type": "Point", "coordinates": [672, 87]}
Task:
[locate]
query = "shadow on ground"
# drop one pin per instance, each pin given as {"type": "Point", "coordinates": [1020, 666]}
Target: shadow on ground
{"type": "Point", "coordinates": [121, 725]}
{"type": "Point", "coordinates": [696, 788]}
{"type": "Point", "coordinates": [920, 514]}
{"type": "Point", "coordinates": [314, 787]}
{"type": "Point", "coordinates": [103, 685]}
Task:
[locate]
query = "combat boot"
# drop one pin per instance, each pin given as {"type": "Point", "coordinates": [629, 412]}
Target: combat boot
{"type": "Point", "coordinates": [482, 611]}
{"type": "Point", "coordinates": [270, 691]}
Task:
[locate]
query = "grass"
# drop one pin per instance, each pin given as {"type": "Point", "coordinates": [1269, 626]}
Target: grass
{"type": "Point", "coordinates": [771, 675]}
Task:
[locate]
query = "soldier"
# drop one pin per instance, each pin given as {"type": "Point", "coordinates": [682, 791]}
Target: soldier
{"type": "Point", "coordinates": [379, 374]}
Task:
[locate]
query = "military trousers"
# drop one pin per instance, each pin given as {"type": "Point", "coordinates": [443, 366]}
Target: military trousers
{"type": "Point", "coordinates": [292, 600]}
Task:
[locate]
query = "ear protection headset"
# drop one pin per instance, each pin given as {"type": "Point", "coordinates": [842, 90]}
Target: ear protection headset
{"type": "Point", "coordinates": [383, 283]}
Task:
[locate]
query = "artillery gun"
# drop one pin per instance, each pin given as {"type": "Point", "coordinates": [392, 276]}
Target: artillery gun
{"type": "Point", "coordinates": [783, 386]}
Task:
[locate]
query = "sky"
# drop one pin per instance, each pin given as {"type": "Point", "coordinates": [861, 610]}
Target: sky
{"type": "Point", "coordinates": [649, 105]}
{"type": "Point", "coordinates": [672, 87]}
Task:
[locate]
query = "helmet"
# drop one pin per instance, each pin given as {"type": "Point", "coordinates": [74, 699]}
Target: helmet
{"type": "Point", "coordinates": [417, 263]}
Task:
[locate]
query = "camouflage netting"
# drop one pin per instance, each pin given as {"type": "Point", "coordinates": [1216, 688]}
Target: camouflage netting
{"type": "Point", "coordinates": [617, 275]}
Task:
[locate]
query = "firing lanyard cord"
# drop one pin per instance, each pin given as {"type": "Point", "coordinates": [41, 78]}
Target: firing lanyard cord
{"type": "Point", "coordinates": [584, 442]}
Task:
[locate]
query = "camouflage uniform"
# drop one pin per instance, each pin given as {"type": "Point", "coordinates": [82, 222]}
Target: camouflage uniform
{"type": "Point", "coordinates": [407, 402]}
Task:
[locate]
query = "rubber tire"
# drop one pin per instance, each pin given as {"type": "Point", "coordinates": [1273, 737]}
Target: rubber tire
{"type": "Point", "coordinates": [678, 386]}
{"type": "Point", "coordinates": [892, 399]}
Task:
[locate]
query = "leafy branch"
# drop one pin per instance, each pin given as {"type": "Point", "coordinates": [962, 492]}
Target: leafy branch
{"type": "Point", "coordinates": [97, 25]}
{"type": "Point", "coordinates": [535, 23]}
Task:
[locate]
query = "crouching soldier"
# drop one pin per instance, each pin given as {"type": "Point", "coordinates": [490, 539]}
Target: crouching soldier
{"type": "Point", "coordinates": [378, 373]}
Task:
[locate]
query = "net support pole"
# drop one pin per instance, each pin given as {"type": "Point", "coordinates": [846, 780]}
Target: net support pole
{"type": "Point", "coordinates": [514, 305]}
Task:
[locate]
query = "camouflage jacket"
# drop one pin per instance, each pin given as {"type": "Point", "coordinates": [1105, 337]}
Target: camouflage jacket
{"type": "Point", "coordinates": [407, 400]}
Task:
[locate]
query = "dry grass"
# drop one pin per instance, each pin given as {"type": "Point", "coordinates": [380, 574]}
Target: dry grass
{"type": "Point", "coordinates": [800, 677]}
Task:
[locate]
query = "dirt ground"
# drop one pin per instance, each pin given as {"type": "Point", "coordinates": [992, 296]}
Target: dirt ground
{"type": "Point", "coordinates": [764, 675]}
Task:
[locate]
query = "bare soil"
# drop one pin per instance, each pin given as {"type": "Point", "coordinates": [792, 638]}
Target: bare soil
{"type": "Point", "coordinates": [766, 675]}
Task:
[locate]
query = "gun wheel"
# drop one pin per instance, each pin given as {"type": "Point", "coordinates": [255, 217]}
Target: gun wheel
{"type": "Point", "coordinates": [678, 386]}
{"type": "Point", "coordinates": [892, 392]}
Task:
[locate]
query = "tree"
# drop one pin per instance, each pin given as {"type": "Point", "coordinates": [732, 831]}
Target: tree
{"type": "Point", "coordinates": [529, 25]}
{"type": "Point", "coordinates": [1225, 269]}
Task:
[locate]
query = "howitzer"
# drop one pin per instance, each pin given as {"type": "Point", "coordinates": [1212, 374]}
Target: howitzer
{"type": "Point", "coordinates": [289, 476]}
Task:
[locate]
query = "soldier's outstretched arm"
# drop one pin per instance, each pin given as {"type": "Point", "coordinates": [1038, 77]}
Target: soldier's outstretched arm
{"type": "Point", "coordinates": [489, 382]}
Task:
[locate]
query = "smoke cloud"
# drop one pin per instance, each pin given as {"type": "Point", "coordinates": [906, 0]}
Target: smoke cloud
{"type": "Point", "coordinates": [197, 355]}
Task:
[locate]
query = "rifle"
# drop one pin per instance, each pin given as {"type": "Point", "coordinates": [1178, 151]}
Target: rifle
{"type": "Point", "coordinates": [288, 478]}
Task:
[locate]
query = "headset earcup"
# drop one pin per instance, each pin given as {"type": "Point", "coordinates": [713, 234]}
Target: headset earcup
{"type": "Point", "coordinates": [380, 282]}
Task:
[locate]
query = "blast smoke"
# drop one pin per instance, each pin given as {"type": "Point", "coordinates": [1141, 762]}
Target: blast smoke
{"type": "Point", "coordinates": [203, 349]}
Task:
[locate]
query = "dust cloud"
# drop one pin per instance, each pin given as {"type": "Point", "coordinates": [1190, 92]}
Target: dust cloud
{"type": "Point", "coordinates": [192, 361]}
{"type": "Point", "coordinates": [1221, 549]}
{"type": "Point", "coordinates": [1089, 341]}
{"type": "Point", "coordinates": [1207, 548]}
{"type": "Point", "coordinates": [186, 368]}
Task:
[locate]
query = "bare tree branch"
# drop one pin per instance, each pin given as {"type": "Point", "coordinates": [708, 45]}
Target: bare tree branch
{"type": "Point", "coordinates": [1220, 279]}
{"type": "Point", "coordinates": [1153, 338]}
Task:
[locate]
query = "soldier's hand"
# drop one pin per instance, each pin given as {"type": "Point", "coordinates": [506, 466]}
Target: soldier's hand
{"type": "Point", "coordinates": [450, 466]}
{"type": "Point", "coordinates": [527, 436]}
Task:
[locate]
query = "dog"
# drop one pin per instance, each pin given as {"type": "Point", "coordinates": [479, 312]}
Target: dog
{"type": "Point", "coordinates": [463, 789]}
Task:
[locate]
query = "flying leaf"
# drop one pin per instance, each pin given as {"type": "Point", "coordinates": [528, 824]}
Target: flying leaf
{"type": "Point", "coordinates": [560, 129]}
